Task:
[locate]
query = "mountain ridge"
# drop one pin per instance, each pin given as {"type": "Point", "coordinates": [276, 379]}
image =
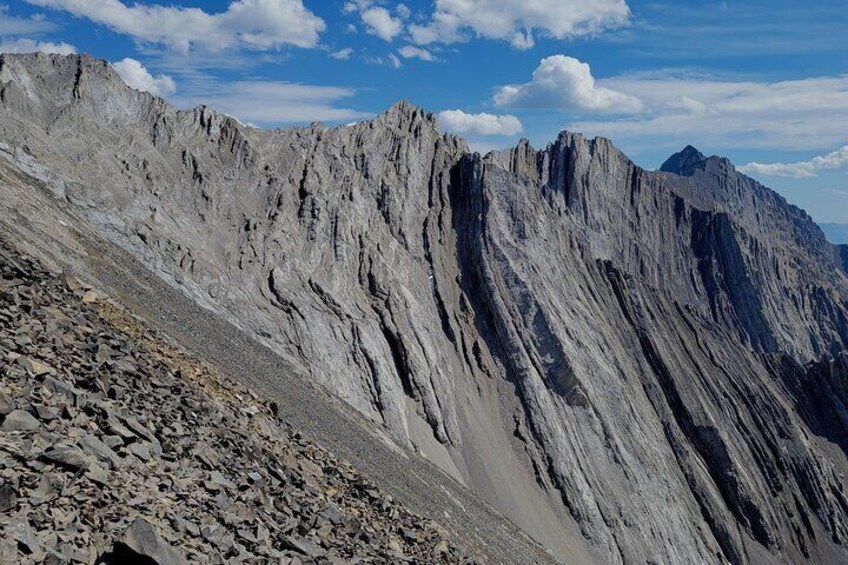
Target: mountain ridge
{"type": "Point", "coordinates": [557, 329]}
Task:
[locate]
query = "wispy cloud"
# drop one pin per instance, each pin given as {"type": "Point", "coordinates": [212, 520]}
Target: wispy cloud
{"type": "Point", "coordinates": [670, 31]}
{"type": "Point", "coordinates": [412, 52]}
{"type": "Point", "coordinates": [14, 25]}
{"type": "Point", "coordinates": [518, 21]}
{"type": "Point", "coordinates": [246, 24]}
{"type": "Point", "coordinates": [802, 169]}
{"type": "Point", "coordinates": [680, 108]}
{"type": "Point", "coordinates": [269, 103]}
{"type": "Point", "coordinates": [342, 54]}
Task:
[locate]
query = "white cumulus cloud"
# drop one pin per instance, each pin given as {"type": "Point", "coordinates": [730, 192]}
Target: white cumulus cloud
{"type": "Point", "coordinates": [412, 52]}
{"type": "Point", "coordinates": [138, 77]}
{"type": "Point", "coordinates": [565, 83]}
{"type": "Point", "coordinates": [378, 20]}
{"type": "Point", "coordinates": [519, 21]}
{"type": "Point", "coordinates": [802, 169]}
{"type": "Point", "coordinates": [250, 24]}
{"type": "Point", "coordinates": [24, 45]}
{"type": "Point", "coordinates": [458, 121]}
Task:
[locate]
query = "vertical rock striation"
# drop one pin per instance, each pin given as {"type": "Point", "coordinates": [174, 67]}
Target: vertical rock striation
{"type": "Point", "coordinates": [635, 366]}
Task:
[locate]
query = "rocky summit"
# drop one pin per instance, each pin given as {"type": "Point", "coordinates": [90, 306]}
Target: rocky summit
{"type": "Point", "coordinates": [550, 354]}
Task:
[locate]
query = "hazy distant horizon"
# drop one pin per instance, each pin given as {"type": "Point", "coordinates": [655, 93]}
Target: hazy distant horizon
{"type": "Point", "coordinates": [836, 233]}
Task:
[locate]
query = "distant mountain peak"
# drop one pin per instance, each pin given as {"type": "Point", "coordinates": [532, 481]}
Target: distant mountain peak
{"type": "Point", "coordinates": [684, 162]}
{"type": "Point", "coordinates": [406, 112]}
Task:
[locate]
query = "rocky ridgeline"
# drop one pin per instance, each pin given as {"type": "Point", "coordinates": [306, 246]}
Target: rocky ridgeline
{"type": "Point", "coordinates": [117, 448]}
{"type": "Point", "coordinates": [634, 366]}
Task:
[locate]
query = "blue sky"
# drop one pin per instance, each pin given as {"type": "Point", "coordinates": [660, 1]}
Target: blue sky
{"type": "Point", "coordinates": [762, 82]}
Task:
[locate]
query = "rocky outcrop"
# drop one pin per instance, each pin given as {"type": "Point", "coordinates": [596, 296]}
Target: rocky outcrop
{"type": "Point", "coordinates": [623, 361]}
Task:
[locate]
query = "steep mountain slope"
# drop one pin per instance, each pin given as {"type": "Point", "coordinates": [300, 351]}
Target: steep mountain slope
{"type": "Point", "coordinates": [96, 408]}
{"type": "Point", "coordinates": [35, 223]}
{"type": "Point", "coordinates": [633, 366]}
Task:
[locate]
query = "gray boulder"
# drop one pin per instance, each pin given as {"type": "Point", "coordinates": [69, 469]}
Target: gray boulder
{"type": "Point", "coordinates": [19, 421]}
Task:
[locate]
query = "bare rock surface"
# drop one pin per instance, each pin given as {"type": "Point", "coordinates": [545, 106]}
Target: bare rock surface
{"type": "Point", "coordinates": [634, 366]}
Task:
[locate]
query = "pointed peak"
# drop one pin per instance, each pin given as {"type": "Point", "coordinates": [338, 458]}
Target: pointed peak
{"type": "Point", "coordinates": [524, 145]}
{"type": "Point", "coordinates": [406, 109]}
{"type": "Point", "coordinates": [403, 106]}
{"type": "Point", "coordinates": [691, 151]}
{"type": "Point", "coordinates": [684, 162]}
{"type": "Point", "coordinates": [403, 114]}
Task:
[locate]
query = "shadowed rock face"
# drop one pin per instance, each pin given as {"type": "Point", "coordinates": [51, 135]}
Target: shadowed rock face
{"type": "Point", "coordinates": [635, 366]}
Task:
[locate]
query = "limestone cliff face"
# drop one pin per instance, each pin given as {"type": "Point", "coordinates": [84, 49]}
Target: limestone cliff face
{"type": "Point", "coordinates": [635, 366]}
{"type": "Point", "coordinates": [640, 314]}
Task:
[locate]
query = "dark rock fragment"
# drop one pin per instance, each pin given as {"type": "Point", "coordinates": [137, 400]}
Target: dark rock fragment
{"type": "Point", "coordinates": [143, 545]}
{"type": "Point", "coordinates": [8, 498]}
